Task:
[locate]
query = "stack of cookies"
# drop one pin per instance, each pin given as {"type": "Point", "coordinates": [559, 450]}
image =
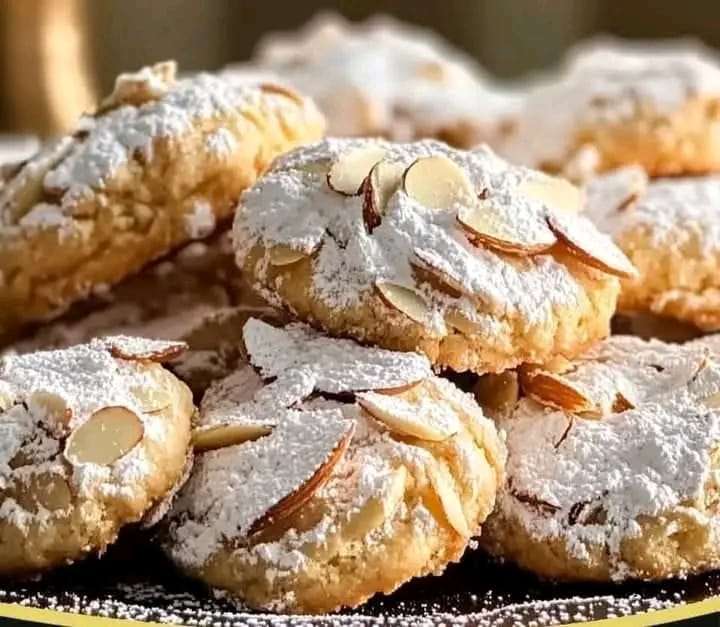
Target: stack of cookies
{"type": "Point", "coordinates": [247, 339]}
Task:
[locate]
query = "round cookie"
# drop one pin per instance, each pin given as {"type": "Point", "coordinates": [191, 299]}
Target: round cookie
{"type": "Point", "coordinates": [615, 104]}
{"type": "Point", "coordinates": [479, 264]}
{"type": "Point", "coordinates": [158, 164]}
{"type": "Point", "coordinates": [670, 230]}
{"type": "Point", "coordinates": [352, 471]}
{"type": "Point", "coordinates": [382, 77]}
{"type": "Point", "coordinates": [92, 438]}
{"type": "Point", "coordinates": [613, 466]}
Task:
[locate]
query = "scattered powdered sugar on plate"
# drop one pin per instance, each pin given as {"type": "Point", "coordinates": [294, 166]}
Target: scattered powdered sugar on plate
{"type": "Point", "coordinates": [348, 261]}
{"type": "Point", "coordinates": [673, 211]}
{"type": "Point", "coordinates": [608, 82]}
{"type": "Point", "coordinates": [338, 365]}
{"type": "Point", "coordinates": [644, 461]}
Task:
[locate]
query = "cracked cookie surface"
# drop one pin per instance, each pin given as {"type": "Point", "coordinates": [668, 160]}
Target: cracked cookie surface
{"type": "Point", "coordinates": [158, 164]}
{"type": "Point", "coordinates": [328, 472]}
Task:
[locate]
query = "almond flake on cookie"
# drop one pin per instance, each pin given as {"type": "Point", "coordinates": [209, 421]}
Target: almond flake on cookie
{"type": "Point", "coordinates": [594, 486]}
{"type": "Point", "coordinates": [504, 260]}
{"type": "Point", "coordinates": [337, 365]}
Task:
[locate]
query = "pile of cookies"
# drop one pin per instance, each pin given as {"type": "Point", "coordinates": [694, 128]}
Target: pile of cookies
{"type": "Point", "coordinates": [315, 368]}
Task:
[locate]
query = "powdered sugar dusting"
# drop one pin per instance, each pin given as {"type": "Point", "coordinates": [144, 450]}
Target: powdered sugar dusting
{"type": "Point", "coordinates": [337, 365]}
{"type": "Point", "coordinates": [608, 82]}
{"type": "Point", "coordinates": [672, 211]}
{"type": "Point", "coordinates": [382, 77]}
{"type": "Point", "coordinates": [644, 461]}
{"type": "Point", "coordinates": [350, 261]}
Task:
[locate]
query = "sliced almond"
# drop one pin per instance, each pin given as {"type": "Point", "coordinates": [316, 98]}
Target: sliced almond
{"type": "Point", "coordinates": [379, 186]}
{"type": "Point", "coordinates": [450, 501]}
{"type": "Point", "coordinates": [438, 182]}
{"type": "Point", "coordinates": [589, 246]}
{"type": "Point", "coordinates": [404, 300]}
{"type": "Point", "coordinates": [347, 174]}
{"type": "Point", "coordinates": [429, 271]}
{"type": "Point", "coordinates": [53, 407]}
{"type": "Point", "coordinates": [213, 437]}
{"type": "Point", "coordinates": [282, 255]}
{"type": "Point", "coordinates": [552, 390]}
{"type": "Point", "coordinates": [554, 193]}
{"type": "Point", "coordinates": [291, 503]}
{"type": "Point", "coordinates": [143, 349]}
{"type": "Point", "coordinates": [499, 228]}
{"type": "Point", "coordinates": [362, 521]}
{"type": "Point", "coordinates": [107, 436]}
{"type": "Point", "coordinates": [407, 419]}
{"type": "Point", "coordinates": [282, 90]}
{"type": "Point", "coordinates": [460, 322]}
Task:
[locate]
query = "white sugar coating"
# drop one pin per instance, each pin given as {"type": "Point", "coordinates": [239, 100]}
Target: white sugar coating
{"type": "Point", "coordinates": [350, 261]}
{"type": "Point", "coordinates": [381, 76]}
{"type": "Point", "coordinates": [672, 211]}
{"type": "Point", "coordinates": [608, 82]}
{"type": "Point", "coordinates": [16, 148]}
{"type": "Point", "coordinates": [644, 461]}
{"type": "Point", "coordinates": [84, 379]}
{"type": "Point", "coordinates": [259, 475]}
{"type": "Point", "coordinates": [337, 365]}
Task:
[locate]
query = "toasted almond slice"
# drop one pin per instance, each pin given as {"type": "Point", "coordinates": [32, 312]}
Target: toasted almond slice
{"type": "Point", "coordinates": [213, 437]}
{"type": "Point", "coordinates": [589, 246]}
{"type": "Point", "coordinates": [553, 192]}
{"type": "Point", "coordinates": [404, 300]}
{"type": "Point", "coordinates": [360, 522]}
{"type": "Point", "coordinates": [379, 186]}
{"type": "Point", "coordinates": [143, 349]}
{"type": "Point", "coordinates": [398, 390]}
{"type": "Point", "coordinates": [282, 90]}
{"type": "Point", "coordinates": [459, 321]}
{"type": "Point", "coordinates": [291, 503]}
{"type": "Point", "coordinates": [107, 436]}
{"type": "Point", "coordinates": [282, 255]}
{"type": "Point", "coordinates": [427, 264]}
{"type": "Point", "coordinates": [347, 174]}
{"type": "Point", "coordinates": [450, 501]}
{"type": "Point", "coordinates": [53, 407]}
{"type": "Point", "coordinates": [438, 182]}
{"type": "Point", "coordinates": [434, 424]}
{"type": "Point", "coordinates": [553, 390]}
{"type": "Point", "coordinates": [500, 228]}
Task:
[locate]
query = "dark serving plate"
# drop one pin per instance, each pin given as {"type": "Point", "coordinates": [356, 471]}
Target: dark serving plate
{"type": "Point", "coordinates": [136, 582]}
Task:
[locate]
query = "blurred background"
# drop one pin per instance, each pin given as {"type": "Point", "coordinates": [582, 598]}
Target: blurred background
{"type": "Point", "coordinates": [58, 55]}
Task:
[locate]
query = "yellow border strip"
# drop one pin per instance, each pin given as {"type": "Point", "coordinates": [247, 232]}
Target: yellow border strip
{"type": "Point", "coordinates": [65, 619]}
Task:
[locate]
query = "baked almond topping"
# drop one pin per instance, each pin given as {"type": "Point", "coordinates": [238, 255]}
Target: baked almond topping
{"type": "Point", "coordinates": [551, 389]}
{"type": "Point", "coordinates": [438, 183]}
{"type": "Point", "coordinates": [554, 193]}
{"type": "Point", "coordinates": [383, 181]}
{"type": "Point", "coordinates": [347, 173]}
{"type": "Point", "coordinates": [216, 436]}
{"type": "Point", "coordinates": [404, 300]}
{"type": "Point", "coordinates": [282, 255]}
{"type": "Point", "coordinates": [450, 501]}
{"type": "Point", "coordinates": [425, 420]}
{"type": "Point", "coordinates": [142, 349]}
{"type": "Point", "coordinates": [107, 436]}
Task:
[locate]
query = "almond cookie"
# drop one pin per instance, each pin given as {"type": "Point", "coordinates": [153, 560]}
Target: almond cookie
{"type": "Point", "coordinates": [656, 106]}
{"type": "Point", "coordinates": [328, 472]}
{"type": "Point", "coordinates": [612, 468]}
{"type": "Point", "coordinates": [478, 264]}
{"type": "Point", "coordinates": [384, 78]}
{"type": "Point", "coordinates": [669, 228]}
{"type": "Point", "coordinates": [92, 438]}
{"type": "Point", "coordinates": [158, 164]}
